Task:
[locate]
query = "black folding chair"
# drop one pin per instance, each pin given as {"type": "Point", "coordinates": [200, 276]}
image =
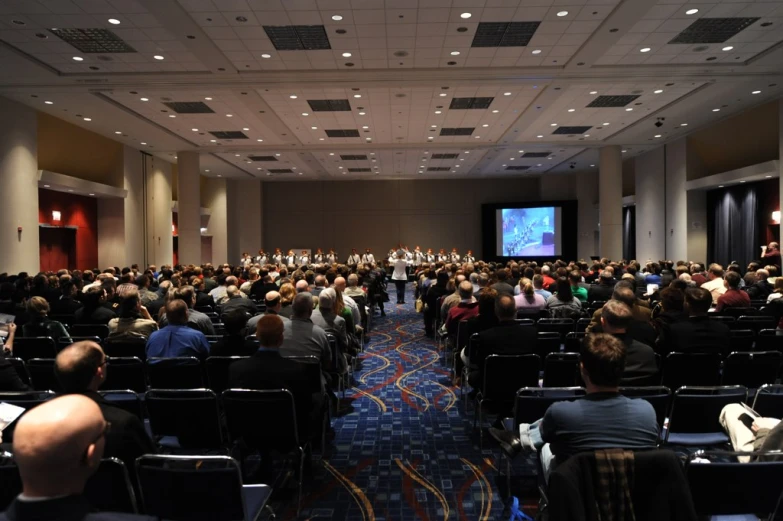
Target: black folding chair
{"type": "Point", "coordinates": [756, 323]}
{"type": "Point", "coordinates": [34, 347]}
{"type": "Point", "coordinates": [335, 374]}
{"type": "Point", "coordinates": [752, 369]}
{"type": "Point", "coordinates": [699, 369]}
{"type": "Point", "coordinates": [42, 374]}
{"type": "Point", "coordinates": [695, 413]}
{"type": "Point", "coordinates": [729, 321]}
{"type": "Point", "coordinates": [64, 319]}
{"type": "Point", "coordinates": [563, 326]}
{"type": "Point", "coordinates": [220, 329]}
{"type": "Point", "coordinates": [217, 371]}
{"type": "Point", "coordinates": [741, 340]}
{"type": "Point", "coordinates": [769, 340]}
{"type": "Point", "coordinates": [561, 370]}
{"type": "Point", "coordinates": [720, 486]}
{"type": "Point", "coordinates": [547, 342]}
{"type": "Point", "coordinates": [573, 342]}
{"type": "Point", "coordinates": [20, 368]}
{"type": "Point", "coordinates": [109, 489]}
{"type": "Point", "coordinates": [659, 397]}
{"type": "Point", "coordinates": [99, 330]}
{"type": "Point", "coordinates": [180, 372]}
{"type": "Point", "coordinates": [126, 400]}
{"type": "Point", "coordinates": [581, 325]}
{"type": "Point", "coordinates": [125, 373]}
{"type": "Point", "coordinates": [204, 309]}
{"type": "Point", "coordinates": [62, 343]}
{"type": "Point", "coordinates": [184, 418]}
{"type": "Point", "coordinates": [740, 312]}
{"type": "Point", "coordinates": [10, 481]}
{"type": "Point", "coordinates": [126, 347]}
{"type": "Point", "coordinates": [198, 488]}
{"type": "Point", "coordinates": [24, 399]}
{"type": "Point", "coordinates": [266, 420]}
{"type": "Point", "coordinates": [769, 401]}
{"type": "Point", "coordinates": [503, 375]}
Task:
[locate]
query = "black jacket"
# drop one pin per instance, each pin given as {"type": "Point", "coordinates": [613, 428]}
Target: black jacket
{"type": "Point", "coordinates": [204, 299]}
{"type": "Point", "coordinates": [659, 492]}
{"type": "Point", "coordinates": [99, 315]}
{"type": "Point", "coordinates": [694, 335]}
{"type": "Point", "coordinates": [760, 290]}
{"type": "Point", "coordinates": [69, 508]}
{"type": "Point", "coordinates": [600, 292]}
{"type": "Point", "coordinates": [238, 302]}
{"type": "Point", "coordinates": [507, 338]}
{"type": "Point", "coordinates": [641, 367]}
{"type": "Point", "coordinates": [64, 306]}
{"type": "Point", "coordinates": [9, 378]}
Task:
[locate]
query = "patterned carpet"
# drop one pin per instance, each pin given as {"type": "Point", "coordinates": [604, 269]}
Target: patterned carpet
{"type": "Point", "coordinates": [404, 448]}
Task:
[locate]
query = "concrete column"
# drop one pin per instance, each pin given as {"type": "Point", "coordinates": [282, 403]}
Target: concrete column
{"type": "Point", "coordinates": [587, 200]}
{"type": "Point", "coordinates": [244, 217]}
{"type": "Point", "coordinates": [650, 206]}
{"type": "Point", "coordinates": [19, 250]}
{"type": "Point", "coordinates": [111, 233]}
{"type": "Point", "coordinates": [686, 226]}
{"type": "Point", "coordinates": [160, 241]}
{"type": "Point", "coordinates": [610, 201]}
{"type": "Point", "coordinates": [134, 217]}
{"type": "Point", "coordinates": [189, 208]}
{"type": "Point", "coordinates": [216, 199]}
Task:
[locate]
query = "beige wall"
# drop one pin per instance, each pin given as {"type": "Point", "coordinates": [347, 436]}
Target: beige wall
{"type": "Point", "coordinates": [380, 214]}
{"type": "Point", "coordinates": [245, 217]}
{"type": "Point", "coordinates": [160, 242]}
{"type": "Point", "coordinates": [214, 197]}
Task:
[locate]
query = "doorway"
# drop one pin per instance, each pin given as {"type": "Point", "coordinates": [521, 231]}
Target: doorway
{"type": "Point", "coordinates": [58, 248]}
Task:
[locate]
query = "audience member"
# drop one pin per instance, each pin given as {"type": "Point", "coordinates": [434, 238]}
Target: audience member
{"type": "Point", "coordinates": [177, 339]}
{"type": "Point", "coordinates": [236, 300]}
{"type": "Point", "coordinates": [196, 319]}
{"type": "Point", "coordinates": [9, 378]}
{"type": "Point", "coordinates": [734, 297]}
{"type": "Point", "coordinates": [302, 337]}
{"type": "Point", "coordinates": [235, 341]}
{"type": "Point", "coordinates": [501, 286]}
{"type": "Point", "coordinates": [40, 324]}
{"type": "Point", "coordinates": [563, 304]}
{"type": "Point", "coordinates": [697, 334]}
{"type": "Point", "coordinates": [133, 318]}
{"type": "Point", "coordinates": [761, 288]}
{"type": "Point", "coordinates": [715, 284]}
{"type": "Point", "coordinates": [603, 290]}
{"type": "Point", "coordinates": [579, 291]}
{"type": "Point", "coordinates": [466, 308]}
{"type": "Point", "coordinates": [528, 299]}
{"type": "Point", "coordinates": [538, 284]}
{"type": "Point", "coordinates": [325, 317]}
{"type": "Point", "coordinates": [641, 367]}
{"type": "Point", "coordinates": [93, 311]}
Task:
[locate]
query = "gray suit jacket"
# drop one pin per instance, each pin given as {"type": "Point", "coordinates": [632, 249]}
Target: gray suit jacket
{"type": "Point", "coordinates": [303, 338]}
{"type": "Point", "coordinates": [197, 320]}
{"type": "Point", "coordinates": [335, 325]}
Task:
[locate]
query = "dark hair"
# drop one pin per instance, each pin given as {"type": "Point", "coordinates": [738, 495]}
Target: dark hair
{"type": "Point", "coordinates": [575, 277]}
{"type": "Point", "coordinates": [624, 295]}
{"type": "Point", "coordinates": [672, 299]}
{"type": "Point", "coordinates": [76, 377]}
{"type": "Point", "coordinates": [505, 307]}
{"type": "Point", "coordinates": [185, 294]}
{"type": "Point", "coordinates": [177, 312]}
{"type": "Point", "coordinates": [733, 279]}
{"type": "Point", "coordinates": [603, 359]}
{"type": "Point", "coordinates": [564, 293]}
{"type": "Point", "coordinates": [235, 321]}
{"type": "Point", "coordinates": [699, 300]}
{"type": "Point", "coordinates": [128, 305]}
{"type": "Point", "coordinates": [487, 301]}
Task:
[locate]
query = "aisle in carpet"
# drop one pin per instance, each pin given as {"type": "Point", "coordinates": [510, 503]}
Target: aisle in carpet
{"type": "Point", "coordinates": [404, 448]}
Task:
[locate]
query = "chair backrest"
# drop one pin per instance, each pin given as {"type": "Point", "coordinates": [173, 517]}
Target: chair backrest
{"type": "Point", "coordinates": [20, 368]}
{"type": "Point", "coordinates": [504, 374]}
{"type": "Point", "coordinates": [769, 340]}
{"type": "Point", "coordinates": [262, 418]}
{"type": "Point", "coordinates": [189, 414]}
{"type": "Point", "coordinates": [531, 403]}
{"type": "Point", "coordinates": [563, 326]}
{"type": "Point", "coordinates": [99, 330]}
{"type": "Point", "coordinates": [191, 488]}
{"type": "Point", "coordinates": [217, 371]}
{"type": "Point", "coordinates": [204, 309]}
{"type": "Point", "coordinates": [66, 320]}
{"type": "Point", "coordinates": [125, 373]}
{"type": "Point", "coordinates": [42, 374]}
{"type": "Point", "coordinates": [110, 488]}
{"type": "Point", "coordinates": [524, 321]}
{"type": "Point", "coordinates": [729, 321]}
{"type": "Point", "coordinates": [179, 372]}
{"type": "Point", "coordinates": [10, 481]}
{"type": "Point", "coordinates": [126, 400]}
{"type": "Point", "coordinates": [697, 409]}
{"type": "Point", "coordinates": [741, 340]}
{"type": "Point", "coordinates": [739, 312]}
{"type": "Point", "coordinates": [581, 325]}
{"type": "Point", "coordinates": [756, 323]}
{"type": "Point", "coordinates": [220, 329]}
{"type": "Point", "coordinates": [25, 399]}
{"type": "Point", "coordinates": [659, 397]}
{"type": "Point", "coordinates": [547, 342]}
{"type": "Point", "coordinates": [699, 369]}
{"type": "Point", "coordinates": [63, 343]}
{"type": "Point", "coordinates": [561, 370]}
{"type": "Point", "coordinates": [752, 369]}
{"type": "Point", "coordinates": [721, 486]}
{"type": "Point", "coordinates": [34, 347]}
{"type": "Point", "coordinates": [769, 401]}
{"type": "Point", "coordinates": [573, 342]}
{"type": "Point", "coordinates": [313, 365]}
{"type": "Point", "coordinates": [126, 346]}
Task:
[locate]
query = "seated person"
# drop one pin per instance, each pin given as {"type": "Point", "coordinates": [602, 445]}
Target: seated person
{"type": "Point", "coordinates": [235, 341]}
{"type": "Point", "coordinates": [734, 297]}
{"type": "Point", "coordinates": [506, 338]}
{"type": "Point", "coordinates": [302, 337]}
{"type": "Point", "coordinates": [696, 334]}
{"type": "Point", "coordinates": [528, 299]}
{"type": "Point", "coordinates": [177, 339]}
{"type": "Point", "coordinates": [603, 419]}
{"type": "Point", "coordinates": [58, 445]}
{"type": "Point", "coordinates": [579, 291]}
{"type": "Point", "coordinates": [40, 324]}
{"type": "Point", "coordinates": [81, 369]}
{"type": "Point", "coordinates": [236, 300]}
{"type": "Point", "coordinates": [641, 367]}
{"type": "Point", "coordinates": [486, 317]}
{"type": "Point", "coordinates": [196, 319]}
{"type": "Point", "coordinates": [66, 304]}
{"type": "Point", "coordinates": [761, 288]}
{"type": "Point", "coordinates": [563, 304]}
{"type": "Point", "coordinates": [133, 317]}
{"type": "Point", "coordinates": [325, 317]}
{"type": "Point", "coordinates": [465, 309]}
{"type": "Point", "coordinates": [777, 291]}
{"type": "Point", "coordinates": [9, 378]}
{"type": "Point", "coordinates": [94, 311]}
{"type": "Point", "coordinates": [751, 433]}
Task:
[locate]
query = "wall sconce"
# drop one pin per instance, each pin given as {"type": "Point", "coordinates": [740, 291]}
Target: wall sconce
{"type": "Point", "coordinates": [203, 230]}
{"type": "Point", "coordinates": [57, 216]}
{"type": "Point", "coordinates": [776, 216]}
{"type": "Point", "coordinates": [173, 228]}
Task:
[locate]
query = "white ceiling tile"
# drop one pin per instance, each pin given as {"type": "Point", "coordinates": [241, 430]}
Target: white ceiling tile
{"type": "Point", "coordinates": [401, 30]}
{"type": "Point", "coordinates": [367, 4]}
{"type": "Point", "coordinates": [372, 43]}
{"type": "Point", "coordinates": [530, 14]}
{"type": "Point", "coordinates": [270, 5]}
{"type": "Point", "coordinates": [645, 26]}
{"type": "Point", "coordinates": [194, 6]}
{"type": "Point", "coordinates": [401, 16]}
{"type": "Point", "coordinates": [371, 31]}
{"type": "Point", "coordinates": [430, 42]}
{"type": "Point", "coordinates": [400, 43]}
{"type": "Point", "coordinates": [552, 27]}
{"type": "Point", "coordinates": [220, 33]}
{"type": "Point", "coordinates": [143, 20]}
{"type": "Point", "coordinates": [302, 18]}
{"type": "Point", "coordinates": [369, 16]}
{"type": "Point", "coordinates": [375, 64]}
{"type": "Point", "coordinates": [346, 44]}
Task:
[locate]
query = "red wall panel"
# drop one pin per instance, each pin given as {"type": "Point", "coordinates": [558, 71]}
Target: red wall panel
{"type": "Point", "coordinates": [78, 211]}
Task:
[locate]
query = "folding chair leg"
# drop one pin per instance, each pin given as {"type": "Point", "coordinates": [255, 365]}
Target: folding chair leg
{"type": "Point", "coordinates": [508, 475]}
{"type": "Point", "coordinates": [481, 426]}
{"type": "Point", "coordinates": [301, 479]}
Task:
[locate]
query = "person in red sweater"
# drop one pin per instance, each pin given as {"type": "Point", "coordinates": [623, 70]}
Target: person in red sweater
{"type": "Point", "coordinates": [734, 296]}
{"type": "Point", "coordinates": [467, 308]}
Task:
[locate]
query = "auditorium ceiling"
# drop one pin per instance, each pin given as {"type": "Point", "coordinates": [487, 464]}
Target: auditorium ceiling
{"type": "Point", "coordinates": [391, 89]}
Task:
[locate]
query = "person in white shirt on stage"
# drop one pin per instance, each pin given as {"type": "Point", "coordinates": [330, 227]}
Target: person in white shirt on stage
{"type": "Point", "coordinates": [400, 276]}
{"type": "Point", "coordinates": [318, 258]}
{"type": "Point", "coordinates": [417, 257]}
{"type": "Point", "coordinates": [392, 255]}
{"type": "Point", "coordinates": [442, 256]}
{"type": "Point", "coordinates": [331, 257]}
{"type": "Point", "coordinates": [246, 261]}
{"type": "Point", "coordinates": [430, 257]}
{"type": "Point", "coordinates": [262, 258]}
{"type": "Point", "coordinates": [290, 259]}
{"type": "Point", "coordinates": [454, 256]}
{"type": "Point", "coordinates": [277, 258]}
{"type": "Point", "coordinates": [304, 258]}
{"type": "Point", "coordinates": [368, 257]}
{"type": "Point", "coordinates": [353, 258]}
{"type": "Point", "coordinates": [469, 258]}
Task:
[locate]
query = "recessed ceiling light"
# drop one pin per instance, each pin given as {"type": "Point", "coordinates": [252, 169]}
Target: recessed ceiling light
{"type": "Point", "coordinates": [236, 155]}
{"type": "Point", "coordinates": [305, 114]}
{"type": "Point", "coordinates": [606, 124]}
{"type": "Point", "coordinates": [716, 110]}
{"type": "Point", "coordinates": [624, 151]}
{"type": "Point", "coordinates": [720, 186]}
{"type": "Point", "coordinates": [430, 137]}
{"type": "Point", "coordinates": [727, 48]}
{"type": "Point", "coordinates": [539, 164]}
{"type": "Point", "coordinates": [629, 109]}
{"type": "Point", "coordinates": [592, 166]}
{"type": "Point", "coordinates": [357, 95]}
{"type": "Point", "coordinates": [467, 151]}
{"type": "Point", "coordinates": [208, 99]}
{"type": "Point", "coordinates": [158, 57]}
{"type": "Point", "coordinates": [521, 151]}
{"type": "Point", "coordinates": [365, 127]}
{"type": "Point", "coordinates": [756, 92]}
{"type": "Point", "coordinates": [172, 115]}
{"type": "Point", "coordinates": [455, 53]}
{"type": "Point", "coordinates": [260, 140]}
{"type": "Point", "coordinates": [511, 158]}
{"type": "Point", "coordinates": [212, 141]}
{"type": "Point", "coordinates": [657, 91]}
{"type": "Point", "coordinates": [503, 165]}
{"type": "Point", "coordinates": [657, 136]}
{"type": "Point", "coordinates": [553, 124]}
{"type": "Point", "coordinates": [571, 110]}
{"type": "Point", "coordinates": [495, 111]}
{"type": "Point", "coordinates": [78, 58]}
{"type": "Point", "coordinates": [683, 124]}
{"type": "Point", "coordinates": [117, 132]}
{"type": "Point", "coordinates": [144, 99]}
{"type": "Point", "coordinates": [277, 155]}
{"type": "Point", "coordinates": [539, 136]}
{"type": "Point", "coordinates": [562, 13]}
{"type": "Point", "coordinates": [768, 176]}
{"type": "Point", "coordinates": [229, 115]}
{"type": "Point", "coordinates": [465, 15]}
{"type": "Point", "coordinates": [587, 135]}
{"type": "Point", "coordinates": [347, 55]}
{"type": "Point", "coordinates": [114, 21]}
{"type": "Point", "coordinates": [507, 94]}
{"type": "Point", "coordinates": [206, 170]}
{"type": "Point", "coordinates": [337, 17]}
{"type": "Point", "coordinates": [331, 153]}
{"type": "Point", "coordinates": [434, 126]}
{"type": "Point", "coordinates": [266, 56]}
{"type": "Point", "coordinates": [293, 96]}
{"type": "Point", "coordinates": [362, 113]}
{"type": "Point", "coordinates": [485, 125]}
{"type": "Point", "coordinates": [245, 129]}
{"type": "Point", "coordinates": [645, 49]}
{"type": "Point", "coordinates": [443, 94]}
{"type": "Point", "coordinates": [437, 112]}
{"type": "Point", "coordinates": [536, 51]}
{"type": "Point", "coordinates": [219, 175]}
{"type": "Point", "coordinates": [143, 143]}
{"type": "Point", "coordinates": [478, 137]}
{"type": "Point", "coordinates": [593, 92]}
{"type": "Point", "coordinates": [194, 129]}
{"type": "Point", "coordinates": [46, 186]}
{"type": "Point", "coordinates": [49, 102]}
{"type": "Point", "coordinates": [313, 128]}
{"type": "Point", "coordinates": [87, 119]}
{"type": "Point", "coordinates": [742, 182]}
{"type": "Point", "coordinates": [691, 11]}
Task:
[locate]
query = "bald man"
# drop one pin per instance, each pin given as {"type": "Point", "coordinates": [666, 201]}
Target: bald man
{"type": "Point", "coordinates": [237, 300]}
{"type": "Point", "coordinates": [81, 369]}
{"type": "Point", "coordinates": [302, 286]}
{"type": "Point", "coordinates": [339, 285]}
{"type": "Point", "coordinates": [274, 303]}
{"type": "Point", "coordinates": [467, 308]}
{"type": "Point", "coordinates": [58, 446]}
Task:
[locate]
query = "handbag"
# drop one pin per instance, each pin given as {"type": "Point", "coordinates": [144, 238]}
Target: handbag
{"type": "Point", "coordinates": [419, 306]}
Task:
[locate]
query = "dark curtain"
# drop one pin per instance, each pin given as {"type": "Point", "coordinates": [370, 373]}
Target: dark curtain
{"type": "Point", "coordinates": [629, 232]}
{"type": "Point", "coordinates": [732, 231]}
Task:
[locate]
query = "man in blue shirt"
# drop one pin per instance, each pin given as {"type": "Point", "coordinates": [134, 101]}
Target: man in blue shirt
{"type": "Point", "coordinates": [603, 419]}
{"type": "Point", "coordinates": [177, 339]}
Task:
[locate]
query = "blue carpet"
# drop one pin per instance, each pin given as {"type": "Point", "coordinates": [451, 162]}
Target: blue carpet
{"type": "Point", "coordinates": [404, 448]}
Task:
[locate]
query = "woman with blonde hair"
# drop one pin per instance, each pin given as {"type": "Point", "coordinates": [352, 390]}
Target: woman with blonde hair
{"type": "Point", "coordinates": [287, 294]}
{"type": "Point", "coordinates": [528, 299]}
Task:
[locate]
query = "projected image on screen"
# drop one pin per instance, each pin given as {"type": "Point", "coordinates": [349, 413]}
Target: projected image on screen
{"type": "Point", "coordinates": [529, 232]}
